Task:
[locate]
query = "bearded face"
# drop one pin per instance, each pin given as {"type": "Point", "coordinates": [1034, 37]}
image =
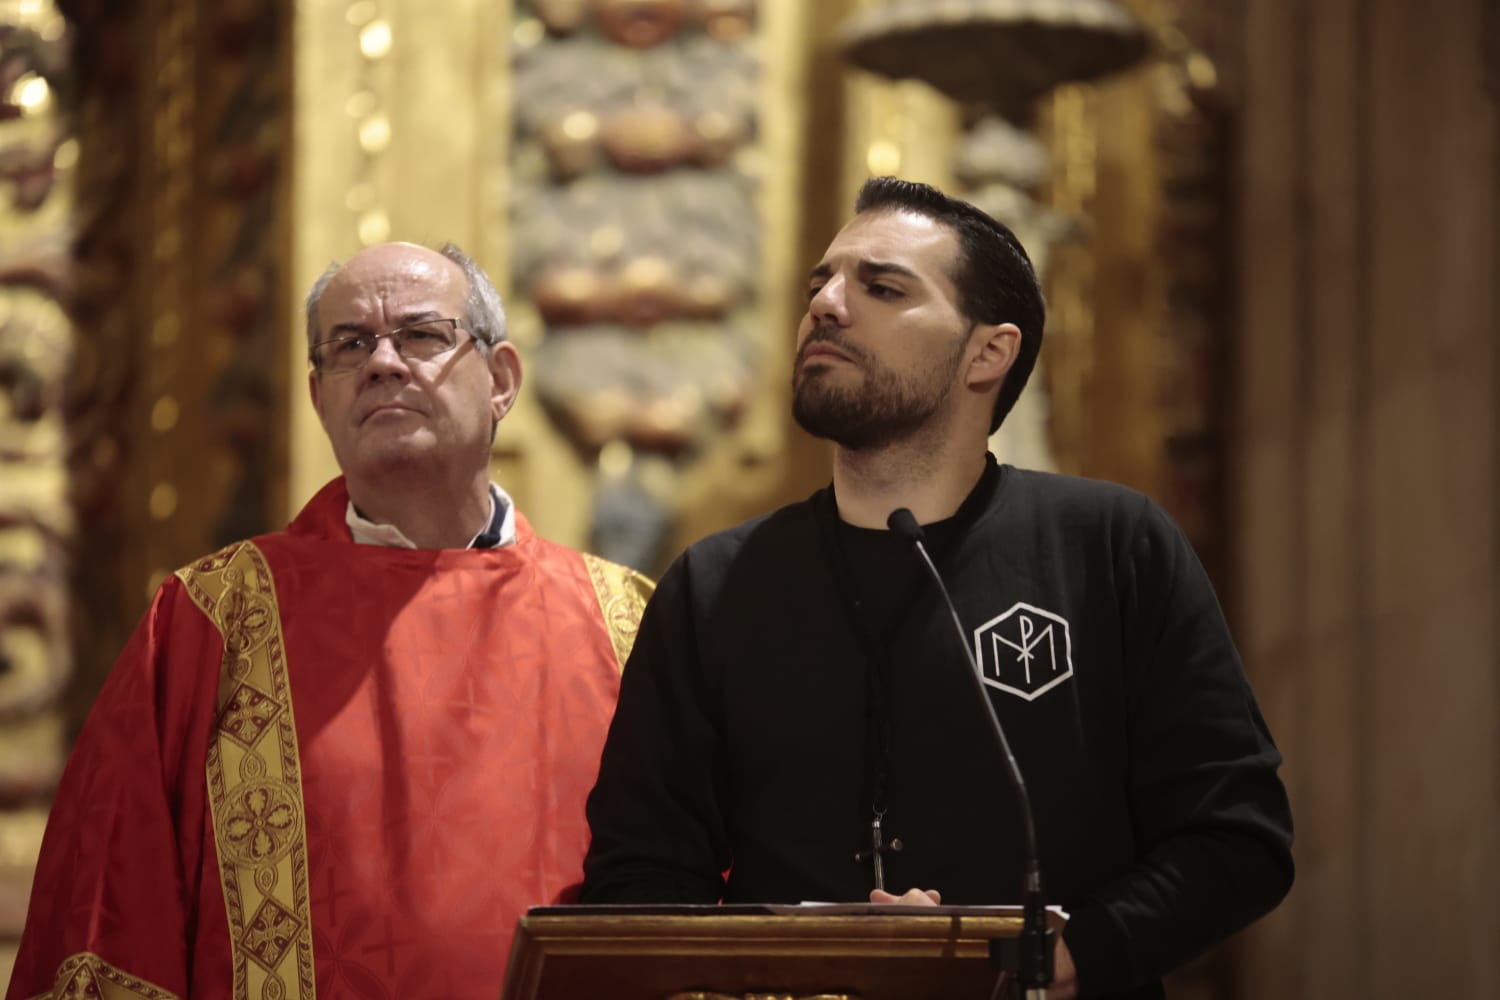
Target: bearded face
{"type": "Point", "coordinates": [858, 401]}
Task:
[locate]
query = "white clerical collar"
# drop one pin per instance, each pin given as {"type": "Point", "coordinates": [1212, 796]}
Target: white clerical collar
{"type": "Point", "coordinates": [498, 532]}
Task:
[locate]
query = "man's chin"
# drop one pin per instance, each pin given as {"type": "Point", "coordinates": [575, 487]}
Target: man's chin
{"type": "Point", "coordinates": [822, 425]}
{"type": "Point", "coordinates": [392, 448]}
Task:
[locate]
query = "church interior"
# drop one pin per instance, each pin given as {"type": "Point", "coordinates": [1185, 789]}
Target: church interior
{"type": "Point", "coordinates": [1269, 235]}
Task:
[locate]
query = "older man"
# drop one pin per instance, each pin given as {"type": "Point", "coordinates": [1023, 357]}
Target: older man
{"type": "Point", "coordinates": [342, 758]}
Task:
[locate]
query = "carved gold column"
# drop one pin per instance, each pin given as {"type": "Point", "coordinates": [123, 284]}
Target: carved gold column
{"type": "Point", "coordinates": [176, 395]}
{"type": "Point", "coordinates": [38, 153]}
{"type": "Point", "coordinates": [140, 281]}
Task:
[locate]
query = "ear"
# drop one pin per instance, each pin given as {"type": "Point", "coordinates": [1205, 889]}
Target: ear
{"type": "Point", "coordinates": [995, 347]}
{"type": "Point", "coordinates": [315, 390]}
{"type": "Point", "coordinates": [505, 375]}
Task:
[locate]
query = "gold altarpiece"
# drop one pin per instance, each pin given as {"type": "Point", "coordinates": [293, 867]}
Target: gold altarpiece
{"type": "Point", "coordinates": [383, 85]}
{"type": "Point", "coordinates": [226, 152]}
{"type": "Point", "coordinates": [407, 128]}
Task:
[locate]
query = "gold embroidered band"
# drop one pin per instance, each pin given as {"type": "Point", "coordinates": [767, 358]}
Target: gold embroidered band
{"type": "Point", "coordinates": [622, 595]}
{"type": "Point", "coordinates": [255, 780]}
{"type": "Point", "coordinates": [87, 975]}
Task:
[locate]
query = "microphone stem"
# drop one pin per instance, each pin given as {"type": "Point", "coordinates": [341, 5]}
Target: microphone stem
{"type": "Point", "coordinates": [1012, 768]}
{"type": "Point", "coordinates": [1035, 971]}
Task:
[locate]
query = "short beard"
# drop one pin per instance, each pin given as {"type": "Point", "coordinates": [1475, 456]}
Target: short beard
{"type": "Point", "coordinates": [886, 407]}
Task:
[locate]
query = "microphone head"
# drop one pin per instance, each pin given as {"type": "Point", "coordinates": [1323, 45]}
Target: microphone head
{"type": "Point", "coordinates": [904, 523]}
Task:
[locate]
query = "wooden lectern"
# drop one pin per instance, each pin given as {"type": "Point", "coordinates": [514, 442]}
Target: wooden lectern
{"type": "Point", "coordinates": [859, 952]}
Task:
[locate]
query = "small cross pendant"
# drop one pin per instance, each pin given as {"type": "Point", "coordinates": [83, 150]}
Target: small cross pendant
{"type": "Point", "coordinates": [878, 847]}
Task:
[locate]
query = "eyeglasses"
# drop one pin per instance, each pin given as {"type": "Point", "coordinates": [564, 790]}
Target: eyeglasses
{"type": "Point", "coordinates": [431, 338]}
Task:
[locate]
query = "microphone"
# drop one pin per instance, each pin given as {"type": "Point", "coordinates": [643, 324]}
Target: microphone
{"type": "Point", "coordinates": [1036, 937]}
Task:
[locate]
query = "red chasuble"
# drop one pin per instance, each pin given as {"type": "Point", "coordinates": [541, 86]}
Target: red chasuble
{"type": "Point", "coordinates": [322, 768]}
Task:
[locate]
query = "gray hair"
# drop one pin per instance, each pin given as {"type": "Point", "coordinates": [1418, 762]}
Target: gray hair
{"type": "Point", "coordinates": [484, 314]}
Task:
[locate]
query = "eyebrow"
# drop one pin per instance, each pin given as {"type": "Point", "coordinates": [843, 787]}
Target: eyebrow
{"type": "Point", "coordinates": [866, 269]}
{"type": "Point", "coordinates": [407, 319]}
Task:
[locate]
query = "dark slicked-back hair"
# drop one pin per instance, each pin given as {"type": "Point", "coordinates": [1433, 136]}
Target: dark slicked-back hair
{"type": "Point", "coordinates": [995, 280]}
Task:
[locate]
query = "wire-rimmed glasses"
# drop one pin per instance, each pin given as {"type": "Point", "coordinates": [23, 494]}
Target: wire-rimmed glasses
{"type": "Point", "coordinates": [421, 341]}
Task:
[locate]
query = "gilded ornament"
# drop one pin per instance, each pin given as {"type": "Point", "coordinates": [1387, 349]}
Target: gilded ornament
{"type": "Point", "coordinates": [708, 296]}
{"type": "Point", "coordinates": [571, 296]}
{"type": "Point", "coordinates": [648, 138]}
{"type": "Point", "coordinates": [34, 652]}
{"type": "Point", "coordinates": [32, 750]}
{"type": "Point", "coordinates": [640, 24]}
{"type": "Point", "coordinates": [670, 424]}
{"type": "Point", "coordinates": [635, 232]}
{"type": "Point", "coordinates": [647, 292]}
{"type": "Point", "coordinates": [28, 171]}
{"type": "Point", "coordinates": [562, 17]}
{"type": "Point", "coordinates": [600, 417]}
{"type": "Point", "coordinates": [30, 94]}
{"type": "Point", "coordinates": [571, 143]}
{"type": "Point", "coordinates": [727, 20]}
{"type": "Point", "coordinates": [719, 135]}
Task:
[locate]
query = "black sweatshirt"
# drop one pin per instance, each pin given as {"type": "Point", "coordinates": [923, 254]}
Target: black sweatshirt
{"type": "Point", "coordinates": [793, 670]}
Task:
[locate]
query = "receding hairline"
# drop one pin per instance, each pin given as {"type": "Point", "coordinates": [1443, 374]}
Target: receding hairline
{"type": "Point", "coordinates": [338, 269]}
{"type": "Point", "coordinates": [387, 254]}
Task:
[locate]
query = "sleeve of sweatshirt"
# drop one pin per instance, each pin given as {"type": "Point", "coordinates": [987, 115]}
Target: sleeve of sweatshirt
{"type": "Point", "coordinates": [1212, 823]}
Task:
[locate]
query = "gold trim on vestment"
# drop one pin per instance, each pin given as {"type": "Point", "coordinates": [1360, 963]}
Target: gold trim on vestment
{"type": "Point", "coordinates": [622, 594]}
{"type": "Point", "coordinates": [87, 975]}
{"type": "Point", "coordinates": [255, 780]}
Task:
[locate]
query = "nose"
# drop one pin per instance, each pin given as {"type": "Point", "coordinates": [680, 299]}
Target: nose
{"type": "Point", "coordinates": [386, 360]}
{"type": "Point", "coordinates": [829, 303]}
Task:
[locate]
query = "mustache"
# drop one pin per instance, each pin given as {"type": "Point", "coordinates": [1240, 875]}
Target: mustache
{"type": "Point", "coordinates": [829, 333]}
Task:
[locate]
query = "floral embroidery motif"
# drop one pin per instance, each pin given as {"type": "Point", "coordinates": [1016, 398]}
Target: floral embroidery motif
{"type": "Point", "coordinates": [248, 622]}
{"type": "Point", "coordinates": [260, 822]}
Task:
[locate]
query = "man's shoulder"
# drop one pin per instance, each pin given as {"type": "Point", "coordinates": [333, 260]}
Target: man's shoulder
{"type": "Point", "coordinates": [1066, 509]}
{"type": "Point", "coordinates": [755, 554]}
{"type": "Point", "coordinates": [793, 524]}
{"type": "Point", "coordinates": [605, 574]}
{"type": "Point", "coordinates": [1061, 487]}
{"type": "Point", "coordinates": [237, 559]}
{"type": "Point", "coordinates": [1071, 499]}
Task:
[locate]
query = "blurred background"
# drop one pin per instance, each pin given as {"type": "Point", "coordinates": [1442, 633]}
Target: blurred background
{"type": "Point", "coordinates": [1270, 236]}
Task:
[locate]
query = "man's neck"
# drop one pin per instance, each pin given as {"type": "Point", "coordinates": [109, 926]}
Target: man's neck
{"type": "Point", "coordinates": [930, 481]}
{"type": "Point", "coordinates": [433, 514]}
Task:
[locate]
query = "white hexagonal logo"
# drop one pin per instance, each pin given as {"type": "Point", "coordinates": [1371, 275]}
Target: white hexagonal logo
{"type": "Point", "coordinates": [1025, 652]}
